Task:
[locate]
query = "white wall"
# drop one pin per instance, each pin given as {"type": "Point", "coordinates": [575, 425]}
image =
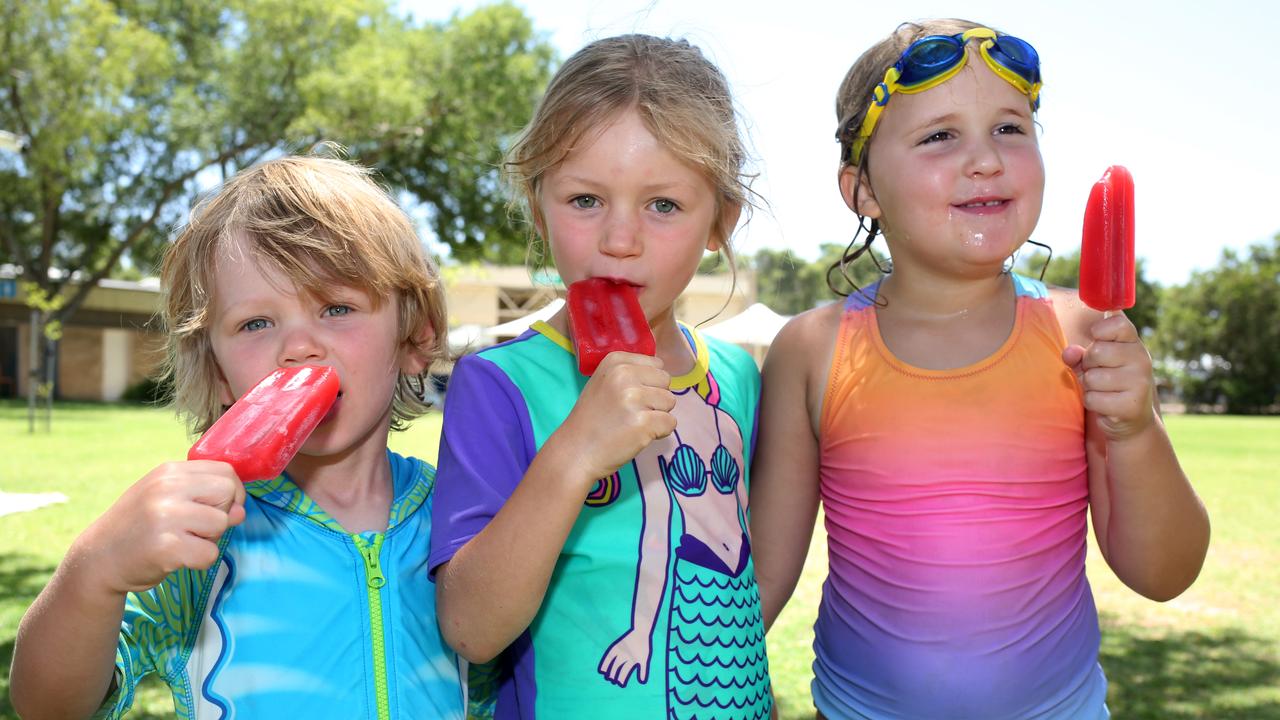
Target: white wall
{"type": "Point", "coordinates": [115, 363]}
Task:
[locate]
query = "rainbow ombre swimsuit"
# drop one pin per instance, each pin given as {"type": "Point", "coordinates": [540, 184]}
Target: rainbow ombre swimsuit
{"type": "Point", "coordinates": [955, 506]}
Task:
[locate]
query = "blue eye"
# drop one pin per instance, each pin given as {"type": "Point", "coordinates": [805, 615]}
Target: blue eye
{"type": "Point", "coordinates": [585, 202]}
{"type": "Point", "coordinates": [255, 325]}
{"type": "Point", "coordinates": [664, 206]}
{"type": "Point", "coordinates": [337, 310]}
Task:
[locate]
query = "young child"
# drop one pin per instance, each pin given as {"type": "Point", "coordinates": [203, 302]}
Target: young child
{"type": "Point", "coordinates": [302, 596]}
{"type": "Point", "coordinates": [957, 421]}
{"type": "Point", "coordinates": [591, 533]}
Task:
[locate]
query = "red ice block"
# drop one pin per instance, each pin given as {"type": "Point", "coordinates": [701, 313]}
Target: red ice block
{"type": "Point", "coordinates": [606, 316]}
{"type": "Point", "coordinates": [1106, 253]}
{"type": "Point", "coordinates": [263, 430]}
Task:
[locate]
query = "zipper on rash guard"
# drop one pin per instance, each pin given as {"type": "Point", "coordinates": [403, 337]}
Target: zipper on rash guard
{"type": "Point", "coordinates": [376, 580]}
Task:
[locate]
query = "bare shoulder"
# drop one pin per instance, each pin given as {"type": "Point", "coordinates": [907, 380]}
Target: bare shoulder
{"type": "Point", "coordinates": [795, 373]}
{"type": "Point", "coordinates": [1073, 315]}
{"type": "Point", "coordinates": [806, 335]}
{"type": "Point", "coordinates": [801, 353]}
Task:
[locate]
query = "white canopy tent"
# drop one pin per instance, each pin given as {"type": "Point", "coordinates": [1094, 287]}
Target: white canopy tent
{"type": "Point", "coordinates": [755, 327]}
{"type": "Point", "coordinates": [512, 328]}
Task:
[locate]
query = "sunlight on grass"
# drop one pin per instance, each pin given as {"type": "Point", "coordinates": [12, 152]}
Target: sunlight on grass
{"type": "Point", "coordinates": [1212, 653]}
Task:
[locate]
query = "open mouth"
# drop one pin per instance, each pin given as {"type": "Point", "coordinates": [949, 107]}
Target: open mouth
{"type": "Point", "coordinates": [983, 206]}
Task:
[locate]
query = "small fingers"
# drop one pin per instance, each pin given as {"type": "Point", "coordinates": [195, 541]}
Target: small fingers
{"type": "Point", "coordinates": [1114, 328]}
{"type": "Point", "coordinates": [197, 553]}
{"type": "Point", "coordinates": [1072, 356]}
{"type": "Point", "coordinates": [649, 398]}
{"type": "Point", "coordinates": [1124, 406]}
{"type": "Point", "coordinates": [206, 521]}
{"type": "Point", "coordinates": [1117, 354]}
{"type": "Point", "coordinates": [618, 358]}
{"type": "Point", "coordinates": [658, 424]}
{"type": "Point", "coordinates": [631, 369]}
{"type": "Point", "coordinates": [173, 551]}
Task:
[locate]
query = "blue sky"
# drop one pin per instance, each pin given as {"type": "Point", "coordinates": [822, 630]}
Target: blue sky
{"type": "Point", "coordinates": [1182, 93]}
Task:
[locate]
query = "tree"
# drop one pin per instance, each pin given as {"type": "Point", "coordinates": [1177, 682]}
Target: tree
{"type": "Point", "coordinates": [125, 105]}
{"type": "Point", "coordinates": [434, 110]}
{"type": "Point", "coordinates": [1222, 329]}
{"type": "Point", "coordinates": [790, 285]}
{"type": "Point", "coordinates": [784, 282]}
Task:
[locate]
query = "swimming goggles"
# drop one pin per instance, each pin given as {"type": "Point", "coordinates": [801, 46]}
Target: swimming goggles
{"type": "Point", "coordinates": [933, 60]}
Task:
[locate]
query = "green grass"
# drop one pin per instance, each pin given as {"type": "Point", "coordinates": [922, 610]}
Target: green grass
{"type": "Point", "coordinates": [1212, 653]}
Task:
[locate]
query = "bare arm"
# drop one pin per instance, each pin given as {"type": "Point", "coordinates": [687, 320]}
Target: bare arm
{"type": "Point", "coordinates": [64, 655]}
{"type": "Point", "coordinates": [784, 472]}
{"type": "Point", "coordinates": [492, 588]}
{"type": "Point", "coordinates": [1150, 525]}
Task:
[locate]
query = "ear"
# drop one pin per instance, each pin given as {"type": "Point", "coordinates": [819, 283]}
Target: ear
{"type": "Point", "coordinates": [855, 188]}
{"type": "Point", "coordinates": [730, 212]}
{"type": "Point", "coordinates": [416, 355]}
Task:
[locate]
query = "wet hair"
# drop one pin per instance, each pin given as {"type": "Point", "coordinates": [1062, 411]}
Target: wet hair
{"type": "Point", "coordinates": [682, 98]}
{"type": "Point", "coordinates": [319, 222]}
{"type": "Point", "coordinates": [852, 101]}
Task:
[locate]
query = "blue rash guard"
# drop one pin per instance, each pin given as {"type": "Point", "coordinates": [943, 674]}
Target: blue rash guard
{"type": "Point", "coordinates": [299, 618]}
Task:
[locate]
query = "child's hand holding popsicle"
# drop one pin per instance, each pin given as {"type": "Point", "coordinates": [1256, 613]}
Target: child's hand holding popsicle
{"type": "Point", "coordinates": [1115, 370]}
{"type": "Point", "coordinates": [174, 516]}
{"type": "Point", "coordinates": [627, 402]}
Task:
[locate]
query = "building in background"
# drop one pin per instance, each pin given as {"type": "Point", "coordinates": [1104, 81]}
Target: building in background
{"type": "Point", "coordinates": [115, 341]}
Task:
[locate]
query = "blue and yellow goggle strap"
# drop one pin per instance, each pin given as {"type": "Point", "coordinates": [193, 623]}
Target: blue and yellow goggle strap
{"type": "Point", "coordinates": [880, 96]}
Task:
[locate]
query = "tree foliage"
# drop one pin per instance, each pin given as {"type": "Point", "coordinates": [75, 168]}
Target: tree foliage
{"type": "Point", "coordinates": [434, 109]}
{"type": "Point", "coordinates": [790, 285]}
{"type": "Point", "coordinates": [128, 107]}
{"type": "Point", "coordinates": [1222, 330]}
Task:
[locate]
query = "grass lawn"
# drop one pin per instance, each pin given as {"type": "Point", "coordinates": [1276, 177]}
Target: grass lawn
{"type": "Point", "coordinates": [1212, 653]}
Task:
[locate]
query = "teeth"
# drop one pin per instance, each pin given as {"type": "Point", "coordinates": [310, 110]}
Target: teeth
{"type": "Point", "coordinates": [989, 203]}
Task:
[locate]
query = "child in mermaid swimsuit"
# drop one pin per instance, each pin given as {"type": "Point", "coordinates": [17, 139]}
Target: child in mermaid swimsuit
{"type": "Point", "coordinates": [957, 421]}
{"type": "Point", "coordinates": [592, 537]}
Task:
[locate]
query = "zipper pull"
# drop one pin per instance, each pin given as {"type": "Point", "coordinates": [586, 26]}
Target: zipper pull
{"type": "Point", "coordinates": [372, 569]}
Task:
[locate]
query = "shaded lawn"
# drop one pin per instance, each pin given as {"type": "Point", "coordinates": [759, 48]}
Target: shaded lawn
{"type": "Point", "coordinates": [1212, 653]}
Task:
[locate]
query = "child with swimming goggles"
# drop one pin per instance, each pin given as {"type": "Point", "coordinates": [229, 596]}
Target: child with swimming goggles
{"type": "Point", "coordinates": [592, 532]}
{"type": "Point", "coordinates": [958, 421]}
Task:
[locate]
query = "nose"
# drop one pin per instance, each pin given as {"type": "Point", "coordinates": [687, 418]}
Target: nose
{"type": "Point", "coordinates": [300, 345]}
{"type": "Point", "coordinates": [984, 158]}
{"type": "Point", "coordinates": [621, 237]}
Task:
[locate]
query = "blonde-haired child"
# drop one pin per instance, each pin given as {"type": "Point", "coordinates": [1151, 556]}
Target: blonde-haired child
{"type": "Point", "coordinates": [301, 596]}
{"type": "Point", "coordinates": [591, 533]}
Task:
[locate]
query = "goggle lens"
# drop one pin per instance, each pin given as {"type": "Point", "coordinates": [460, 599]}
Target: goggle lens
{"type": "Point", "coordinates": [928, 58]}
{"type": "Point", "coordinates": [1018, 56]}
